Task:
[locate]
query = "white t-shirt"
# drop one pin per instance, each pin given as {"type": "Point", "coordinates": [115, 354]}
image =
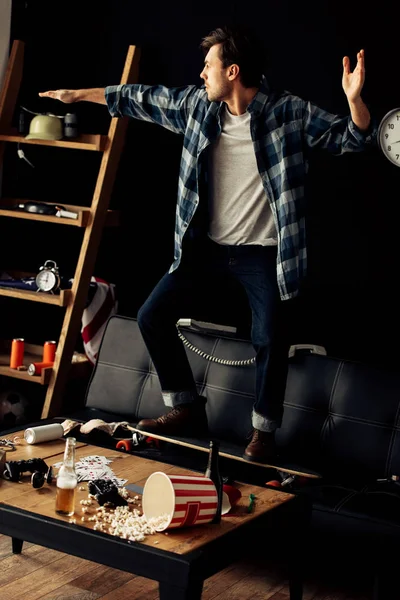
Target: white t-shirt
{"type": "Point", "coordinates": [238, 206]}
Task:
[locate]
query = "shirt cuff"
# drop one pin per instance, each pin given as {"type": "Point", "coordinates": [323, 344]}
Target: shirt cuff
{"type": "Point", "coordinates": [112, 98]}
{"type": "Point", "coordinates": [366, 136]}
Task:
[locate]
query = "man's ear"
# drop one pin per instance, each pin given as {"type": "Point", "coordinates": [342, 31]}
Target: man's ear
{"type": "Point", "coordinates": [233, 72]}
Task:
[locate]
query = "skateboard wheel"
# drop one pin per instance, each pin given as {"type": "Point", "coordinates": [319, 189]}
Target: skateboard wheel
{"type": "Point", "coordinates": [124, 445]}
{"type": "Point", "coordinates": [274, 483]}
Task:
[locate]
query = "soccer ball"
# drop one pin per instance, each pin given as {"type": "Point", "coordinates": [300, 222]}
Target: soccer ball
{"type": "Point", "coordinates": [13, 407]}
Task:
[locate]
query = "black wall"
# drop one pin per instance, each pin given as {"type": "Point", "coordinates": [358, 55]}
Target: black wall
{"type": "Point", "coordinates": [349, 303]}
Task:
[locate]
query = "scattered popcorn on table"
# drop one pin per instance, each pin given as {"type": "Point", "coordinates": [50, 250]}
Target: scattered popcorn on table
{"type": "Point", "coordinates": [125, 522]}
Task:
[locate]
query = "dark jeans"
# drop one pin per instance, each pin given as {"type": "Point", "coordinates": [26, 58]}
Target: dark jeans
{"type": "Point", "coordinates": [205, 266]}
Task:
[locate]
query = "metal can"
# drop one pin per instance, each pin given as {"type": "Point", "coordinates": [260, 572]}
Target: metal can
{"type": "Point", "coordinates": [17, 353]}
{"type": "Point", "coordinates": [49, 351]}
{"type": "Point", "coordinates": [37, 367]}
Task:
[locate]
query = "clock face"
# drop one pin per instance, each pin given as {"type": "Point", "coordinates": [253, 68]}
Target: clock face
{"type": "Point", "coordinates": [46, 280]}
{"type": "Point", "coordinates": [389, 136]}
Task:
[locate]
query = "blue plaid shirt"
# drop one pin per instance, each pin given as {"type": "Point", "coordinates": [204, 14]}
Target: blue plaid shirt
{"type": "Point", "coordinates": [283, 126]}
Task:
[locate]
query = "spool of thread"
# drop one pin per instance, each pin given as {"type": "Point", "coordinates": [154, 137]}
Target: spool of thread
{"type": "Point", "coordinates": [37, 367]}
{"type": "Point", "coordinates": [22, 122]}
{"type": "Point", "coordinates": [70, 125]}
{"type": "Point", "coordinates": [43, 433]}
{"type": "Point", "coordinates": [17, 353]}
{"type": "Point", "coordinates": [49, 351]}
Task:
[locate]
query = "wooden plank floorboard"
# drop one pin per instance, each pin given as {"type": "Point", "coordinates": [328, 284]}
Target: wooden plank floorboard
{"type": "Point", "coordinates": [42, 574]}
{"type": "Point", "coordinates": [46, 579]}
{"type": "Point", "coordinates": [92, 585]}
{"type": "Point", "coordinates": [16, 566]}
{"type": "Point", "coordinates": [223, 581]}
{"type": "Point", "coordinates": [5, 547]}
{"type": "Point", "coordinates": [138, 588]}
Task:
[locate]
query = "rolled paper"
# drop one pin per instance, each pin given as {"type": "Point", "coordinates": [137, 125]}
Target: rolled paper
{"type": "Point", "coordinates": [43, 433]}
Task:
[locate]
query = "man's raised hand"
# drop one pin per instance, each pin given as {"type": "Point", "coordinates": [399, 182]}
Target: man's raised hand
{"type": "Point", "coordinates": [66, 96]}
{"type": "Point", "coordinates": [353, 81]}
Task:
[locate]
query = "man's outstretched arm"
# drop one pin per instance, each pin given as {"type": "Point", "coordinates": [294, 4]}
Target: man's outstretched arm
{"type": "Point", "coordinates": [96, 95]}
{"type": "Point", "coordinates": [352, 85]}
{"type": "Point", "coordinates": [168, 107]}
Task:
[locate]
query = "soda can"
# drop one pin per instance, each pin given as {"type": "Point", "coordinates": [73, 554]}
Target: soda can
{"type": "Point", "coordinates": [37, 367]}
{"type": "Point", "coordinates": [17, 353]}
{"type": "Point", "coordinates": [49, 351]}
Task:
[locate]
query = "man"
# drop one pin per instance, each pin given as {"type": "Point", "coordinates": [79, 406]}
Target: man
{"type": "Point", "coordinates": [240, 212]}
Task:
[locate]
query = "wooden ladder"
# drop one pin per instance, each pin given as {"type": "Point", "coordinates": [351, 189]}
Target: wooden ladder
{"type": "Point", "coordinates": [92, 219]}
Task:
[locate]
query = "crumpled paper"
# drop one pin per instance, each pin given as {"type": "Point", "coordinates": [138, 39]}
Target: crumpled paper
{"type": "Point", "coordinates": [68, 425]}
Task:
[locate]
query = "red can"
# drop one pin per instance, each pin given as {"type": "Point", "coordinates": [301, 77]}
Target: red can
{"type": "Point", "coordinates": [49, 351]}
{"type": "Point", "coordinates": [37, 367]}
{"type": "Point", "coordinates": [17, 353]}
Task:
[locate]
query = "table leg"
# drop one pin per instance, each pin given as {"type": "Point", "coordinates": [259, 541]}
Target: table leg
{"type": "Point", "coordinates": [299, 523]}
{"type": "Point", "coordinates": [192, 591]}
{"type": "Point", "coordinates": [295, 585]}
{"type": "Point", "coordinates": [17, 545]}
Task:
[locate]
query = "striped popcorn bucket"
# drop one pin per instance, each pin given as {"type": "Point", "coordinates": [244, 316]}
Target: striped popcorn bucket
{"type": "Point", "coordinates": [179, 500]}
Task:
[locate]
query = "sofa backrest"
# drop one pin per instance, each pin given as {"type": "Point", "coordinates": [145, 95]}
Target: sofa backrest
{"type": "Point", "coordinates": [339, 415]}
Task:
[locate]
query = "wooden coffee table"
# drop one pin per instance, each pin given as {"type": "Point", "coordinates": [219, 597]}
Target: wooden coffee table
{"type": "Point", "coordinates": [181, 559]}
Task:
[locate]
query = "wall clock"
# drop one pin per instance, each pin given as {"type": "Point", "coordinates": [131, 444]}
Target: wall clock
{"type": "Point", "coordinates": [389, 136]}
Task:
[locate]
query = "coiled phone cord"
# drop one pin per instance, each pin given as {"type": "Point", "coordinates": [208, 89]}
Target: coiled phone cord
{"type": "Point", "coordinates": [211, 357]}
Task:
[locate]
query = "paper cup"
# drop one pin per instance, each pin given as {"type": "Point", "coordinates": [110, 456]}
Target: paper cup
{"type": "Point", "coordinates": [179, 500]}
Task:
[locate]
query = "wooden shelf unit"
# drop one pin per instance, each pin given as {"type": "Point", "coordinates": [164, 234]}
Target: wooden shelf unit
{"type": "Point", "coordinates": [112, 216]}
{"type": "Point", "coordinates": [92, 219]}
{"type": "Point", "coordinates": [82, 142]}
{"type": "Point", "coordinates": [33, 353]}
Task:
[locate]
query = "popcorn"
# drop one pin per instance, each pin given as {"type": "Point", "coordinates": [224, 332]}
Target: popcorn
{"type": "Point", "coordinates": [125, 521]}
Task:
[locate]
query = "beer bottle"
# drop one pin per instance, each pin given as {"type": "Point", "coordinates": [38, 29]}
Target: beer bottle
{"type": "Point", "coordinates": [67, 481]}
{"type": "Point", "coordinates": [212, 472]}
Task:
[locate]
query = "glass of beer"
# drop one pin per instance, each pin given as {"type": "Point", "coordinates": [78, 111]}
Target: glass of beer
{"type": "Point", "coordinates": [67, 481]}
{"type": "Point", "coordinates": [65, 497]}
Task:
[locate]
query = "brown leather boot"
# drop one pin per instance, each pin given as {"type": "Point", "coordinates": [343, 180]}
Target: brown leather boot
{"type": "Point", "coordinates": [262, 447]}
{"type": "Point", "coordinates": [183, 419]}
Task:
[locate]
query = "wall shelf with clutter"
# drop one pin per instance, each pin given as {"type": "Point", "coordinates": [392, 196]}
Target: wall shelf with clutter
{"type": "Point", "coordinates": [82, 142]}
{"type": "Point", "coordinates": [92, 220]}
{"type": "Point", "coordinates": [33, 354]}
{"type": "Point", "coordinates": [81, 219]}
{"type": "Point", "coordinates": [61, 299]}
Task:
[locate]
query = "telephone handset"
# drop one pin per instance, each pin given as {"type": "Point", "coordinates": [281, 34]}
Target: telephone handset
{"type": "Point", "coordinates": [226, 330]}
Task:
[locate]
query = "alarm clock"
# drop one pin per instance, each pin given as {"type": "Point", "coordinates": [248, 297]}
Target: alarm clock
{"type": "Point", "coordinates": [389, 136]}
{"type": "Point", "coordinates": [48, 279]}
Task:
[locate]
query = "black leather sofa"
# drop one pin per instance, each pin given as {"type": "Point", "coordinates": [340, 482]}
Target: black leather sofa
{"type": "Point", "coordinates": [341, 419]}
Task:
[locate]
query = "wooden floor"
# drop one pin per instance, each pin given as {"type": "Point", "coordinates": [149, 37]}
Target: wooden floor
{"type": "Point", "coordinates": [47, 574]}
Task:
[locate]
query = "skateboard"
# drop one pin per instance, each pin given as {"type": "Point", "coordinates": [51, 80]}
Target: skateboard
{"type": "Point", "coordinates": [226, 450]}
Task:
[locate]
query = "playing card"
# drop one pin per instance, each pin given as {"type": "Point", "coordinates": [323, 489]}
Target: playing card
{"type": "Point", "coordinates": [89, 468]}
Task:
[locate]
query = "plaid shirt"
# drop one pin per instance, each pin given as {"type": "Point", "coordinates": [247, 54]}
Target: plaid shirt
{"type": "Point", "coordinates": [283, 126]}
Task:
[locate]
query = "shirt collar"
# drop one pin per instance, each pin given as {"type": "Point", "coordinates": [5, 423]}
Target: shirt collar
{"type": "Point", "coordinates": [256, 106]}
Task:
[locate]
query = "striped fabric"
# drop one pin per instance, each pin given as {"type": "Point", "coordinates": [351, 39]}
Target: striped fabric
{"type": "Point", "coordinates": [283, 127]}
{"type": "Point", "coordinates": [101, 305]}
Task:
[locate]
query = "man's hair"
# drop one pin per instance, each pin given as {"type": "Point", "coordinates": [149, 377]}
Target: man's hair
{"type": "Point", "coordinates": [238, 46]}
